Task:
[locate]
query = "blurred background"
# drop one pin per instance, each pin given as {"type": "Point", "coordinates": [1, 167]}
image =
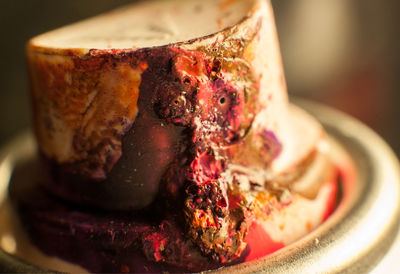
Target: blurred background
{"type": "Point", "coordinates": [344, 53]}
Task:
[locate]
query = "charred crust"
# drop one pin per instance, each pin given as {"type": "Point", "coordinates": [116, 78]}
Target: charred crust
{"type": "Point", "coordinates": [187, 89]}
{"type": "Point", "coordinates": [206, 95]}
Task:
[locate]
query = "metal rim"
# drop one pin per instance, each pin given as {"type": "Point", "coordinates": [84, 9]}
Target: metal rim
{"type": "Point", "coordinates": [353, 239]}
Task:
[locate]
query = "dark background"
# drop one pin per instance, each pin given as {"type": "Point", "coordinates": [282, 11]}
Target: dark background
{"type": "Point", "coordinates": [343, 53]}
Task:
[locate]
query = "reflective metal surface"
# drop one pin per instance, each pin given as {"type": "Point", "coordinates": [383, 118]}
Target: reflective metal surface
{"type": "Point", "coordinates": [354, 239]}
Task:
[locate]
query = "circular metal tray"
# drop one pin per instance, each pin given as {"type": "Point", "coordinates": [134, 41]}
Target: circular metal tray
{"type": "Point", "coordinates": [354, 239]}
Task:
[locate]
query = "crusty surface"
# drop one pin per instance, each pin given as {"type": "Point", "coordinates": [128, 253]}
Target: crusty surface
{"type": "Point", "coordinates": [104, 241]}
{"type": "Point", "coordinates": [84, 105]}
{"type": "Point", "coordinates": [134, 128]}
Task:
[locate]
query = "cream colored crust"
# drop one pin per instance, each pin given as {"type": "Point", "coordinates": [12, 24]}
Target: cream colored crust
{"type": "Point", "coordinates": [147, 24]}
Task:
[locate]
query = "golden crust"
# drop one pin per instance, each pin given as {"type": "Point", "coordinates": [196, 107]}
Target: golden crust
{"type": "Point", "coordinates": [91, 102]}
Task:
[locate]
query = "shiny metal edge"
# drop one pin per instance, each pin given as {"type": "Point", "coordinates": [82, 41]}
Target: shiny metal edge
{"type": "Point", "coordinates": [352, 240]}
{"type": "Point", "coordinates": [20, 149]}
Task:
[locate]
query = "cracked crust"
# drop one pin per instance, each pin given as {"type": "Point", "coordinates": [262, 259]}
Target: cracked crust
{"type": "Point", "coordinates": [123, 128]}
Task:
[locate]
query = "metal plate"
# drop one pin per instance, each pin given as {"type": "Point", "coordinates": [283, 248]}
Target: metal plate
{"type": "Point", "coordinates": [354, 239]}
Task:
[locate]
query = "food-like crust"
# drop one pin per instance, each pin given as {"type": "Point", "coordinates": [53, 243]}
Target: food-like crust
{"type": "Point", "coordinates": [82, 109]}
{"type": "Point", "coordinates": [85, 103]}
{"type": "Point", "coordinates": [103, 241]}
{"type": "Point", "coordinates": [122, 128]}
